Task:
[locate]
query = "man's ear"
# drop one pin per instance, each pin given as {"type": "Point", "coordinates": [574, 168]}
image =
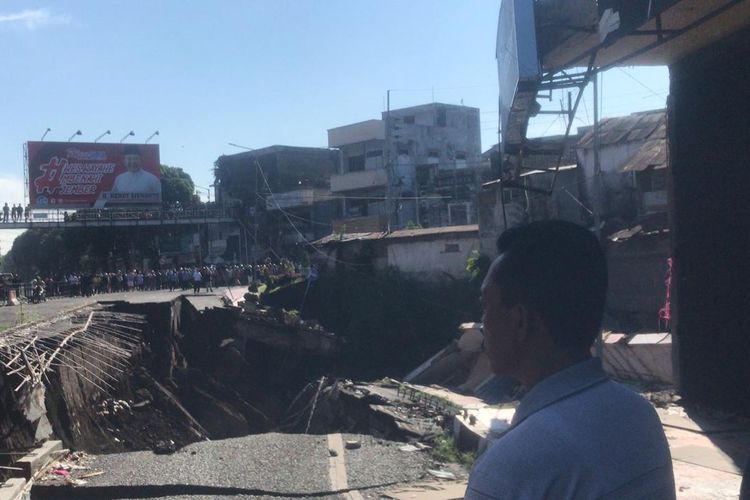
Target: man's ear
{"type": "Point", "coordinates": [520, 318]}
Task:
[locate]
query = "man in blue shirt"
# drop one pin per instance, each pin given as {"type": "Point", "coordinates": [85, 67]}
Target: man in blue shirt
{"type": "Point", "coordinates": [576, 434]}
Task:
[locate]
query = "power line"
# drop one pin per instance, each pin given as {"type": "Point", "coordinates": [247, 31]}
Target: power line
{"type": "Point", "coordinates": [636, 80]}
{"type": "Point", "coordinates": [289, 220]}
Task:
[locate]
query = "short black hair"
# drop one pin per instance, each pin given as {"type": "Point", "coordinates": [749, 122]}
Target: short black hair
{"type": "Point", "coordinates": [558, 270]}
{"type": "Point", "coordinates": [131, 149]}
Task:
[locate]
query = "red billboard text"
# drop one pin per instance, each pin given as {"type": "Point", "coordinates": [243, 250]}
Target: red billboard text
{"type": "Point", "coordinates": [64, 174]}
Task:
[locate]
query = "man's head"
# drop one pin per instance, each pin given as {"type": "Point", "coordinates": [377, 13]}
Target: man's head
{"type": "Point", "coordinates": [543, 296]}
{"type": "Point", "coordinates": [132, 156]}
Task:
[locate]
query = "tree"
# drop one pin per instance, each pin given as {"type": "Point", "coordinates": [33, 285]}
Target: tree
{"type": "Point", "coordinates": [177, 186]}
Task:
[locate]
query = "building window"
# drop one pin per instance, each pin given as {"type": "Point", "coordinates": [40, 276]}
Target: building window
{"type": "Point", "coordinates": [460, 160]}
{"type": "Point", "coordinates": [402, 149]}
{"type": "Point", "coordinates": [433, 154]}
{"type": "Point", "coordinates": [441, 119]}
{"type": "Point", "coordinates": [409, 120]}
{"type": "Point", "coordinates": [356, 163]}
{"type": "Point", "coordinates": [452, 248]}
{"type": "Point", "coordinates": [374, 160]}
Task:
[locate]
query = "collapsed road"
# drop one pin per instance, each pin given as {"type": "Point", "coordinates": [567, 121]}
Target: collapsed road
{"type": "Point", "coordinates": [170, 396]}
{"type": "Point", "coordinates": [137, 384]}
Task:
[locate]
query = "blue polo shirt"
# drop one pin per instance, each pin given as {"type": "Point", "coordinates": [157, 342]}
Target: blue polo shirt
{"type": "Point", "coordinates": [577, 434]}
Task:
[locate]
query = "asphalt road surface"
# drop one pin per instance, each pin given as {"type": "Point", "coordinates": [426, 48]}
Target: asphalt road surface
{"type": "Point", "coordinates": [11, 316]}
{"type": "Point", "coordinates": [260, 466]}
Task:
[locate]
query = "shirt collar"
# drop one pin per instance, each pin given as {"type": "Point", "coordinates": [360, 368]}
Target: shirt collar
{"type": "Point", "coordinates": [560, 385]}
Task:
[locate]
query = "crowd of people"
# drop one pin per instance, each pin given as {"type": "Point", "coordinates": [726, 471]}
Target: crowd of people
{"type": "Point", "coordinates": [195, 278]}
{"type": "Point", "coordinates": [16, 213]}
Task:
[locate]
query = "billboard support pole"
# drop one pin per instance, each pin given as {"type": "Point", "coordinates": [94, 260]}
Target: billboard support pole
{"type": "Point", "coordinates": [26, 192]}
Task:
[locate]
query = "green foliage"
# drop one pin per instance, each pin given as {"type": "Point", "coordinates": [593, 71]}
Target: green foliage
{"type": "Point", "coordinates": [391, 321]}
{"type": "Point", "coordinates": [176, 186]}
{"type": "Point", "coordinates": [52, 251]}
{"type": "Point", "coordinates": [413, 225]}
{"type": "Point", "coordinates": [444, 450]}
{"type": "Point", "coordinates": [477, 265]}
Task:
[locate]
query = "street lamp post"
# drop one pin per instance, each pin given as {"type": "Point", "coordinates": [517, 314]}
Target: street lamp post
{"type": "Point", "coordinates": [126, 136]}
{"type": "Point", "coordinates": [105, 133]}
{"type": "Point", "coordinates": [207, 190]}
{"type": "Point", "coordinates": [151, 136]}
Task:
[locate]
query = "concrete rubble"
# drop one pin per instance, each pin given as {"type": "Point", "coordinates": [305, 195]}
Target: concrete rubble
{"type": "Point", "coordinates": [205, 371]}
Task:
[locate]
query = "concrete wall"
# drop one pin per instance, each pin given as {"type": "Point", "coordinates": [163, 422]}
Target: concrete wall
{"type": "Point", "coordinates": [434, 257]}
{"type": "Point", "coordinates": [708, 126]}
{"type": "Point", "coordinates": [356, 132]}
{"type": "Point", "coordinates": [460, 134]}
{"type": "Point", "coordinates": [637, 273]}
{"type": "Point", "coordinates": [491, 222]}
{"type": "Point", "coordinates": [619, 188]}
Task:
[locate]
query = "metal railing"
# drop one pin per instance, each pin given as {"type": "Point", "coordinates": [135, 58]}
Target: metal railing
{"type": "Point", "coordinates": [84, 215]}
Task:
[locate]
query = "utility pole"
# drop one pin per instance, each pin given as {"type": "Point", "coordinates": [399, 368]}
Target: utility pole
{"type": "Point", "coordinates": [597, 163]}
{"type": "Point", "coordinates": [597, 191]}
{"type": "Point", "coordinates": [255, 223]}
{"type": "Point", "coordinates": [388, 161]}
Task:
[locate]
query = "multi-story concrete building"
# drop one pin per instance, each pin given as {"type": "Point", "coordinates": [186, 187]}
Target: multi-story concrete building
{"type": "Point", "coordinates": [284, 190]}
{"type": "Point", "coordinates": [419, 165]}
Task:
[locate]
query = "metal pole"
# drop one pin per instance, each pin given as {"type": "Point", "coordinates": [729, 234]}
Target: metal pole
{"type": "Point", "coordinates": [597, 163]}
{"type": "Point", "coordinates": [255, 223]}
{"type": "Point", "coordinates": [597, 190]}
{"type": "Point", "coordinates": [388, 161]}
{"type": "Point", "coordinates": [200, 246]}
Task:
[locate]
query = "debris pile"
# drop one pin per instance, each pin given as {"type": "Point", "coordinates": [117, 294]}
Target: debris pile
{"type": "Point", "coordinates": [73, 469]}
{"type": "Point", "coordinates": [109, 338]}
{"type": "Point", "coordinates": [386, 409]}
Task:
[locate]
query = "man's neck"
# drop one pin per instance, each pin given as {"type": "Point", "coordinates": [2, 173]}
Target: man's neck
{"type": "Point", "coordinates": [548, 361]}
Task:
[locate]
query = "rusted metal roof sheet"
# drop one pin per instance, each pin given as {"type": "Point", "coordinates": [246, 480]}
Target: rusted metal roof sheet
{"type": "Point", "coordinates": [623, 129]}
{"type": "Point", "coordinates": [434, 231]}
{"type": "Point", "coordinates": [333, 239]}
{"type": "Point", "coordinates": [653, 153]}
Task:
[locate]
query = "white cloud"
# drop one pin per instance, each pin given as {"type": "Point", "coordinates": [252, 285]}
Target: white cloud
{"type": "Point", "coordinates": [11, 189]}
{"type": "Point", "coordinates": [6, 239]}
{"type": "Point", "coordinates": [34, 18]}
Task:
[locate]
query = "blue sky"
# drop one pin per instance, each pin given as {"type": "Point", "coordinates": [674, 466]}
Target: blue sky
{"type": "Point", "coordinates": [254, 72]}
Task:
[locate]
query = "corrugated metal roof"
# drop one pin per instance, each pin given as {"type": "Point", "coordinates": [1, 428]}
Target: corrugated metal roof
{"type": "Point", "coordinates": [347, 237]}
{"type": "Point", "coordinates": [431, 231]}
{"type": "Point", "coordinates": [400, 234]}
{"type": "Point", "coordinates": [562, 168]}
{"type": "Point", "coordinates": [653, 153]}
{"type": "Point", "coordinates": [623, 129]}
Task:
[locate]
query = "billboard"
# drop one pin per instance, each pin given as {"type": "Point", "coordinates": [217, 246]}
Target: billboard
{"type": "Point", "coordinates": [517, 60]}
{"type": "Point", "coordinates": [98, 175]}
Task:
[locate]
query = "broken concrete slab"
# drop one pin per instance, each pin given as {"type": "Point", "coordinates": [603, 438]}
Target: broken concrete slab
{"type": "Point", "coordinates": [710, 457]}
{"type": "Point", "coordinates": [38, 458]}
{"type": "Point", "coordinates": [677, 417]}
{"type": "Point", "coordinates": [642, 357]}
{"type": "Point", "coordinates": [13, 488]}
{"type": "Point", "coordinates": [477, 428]}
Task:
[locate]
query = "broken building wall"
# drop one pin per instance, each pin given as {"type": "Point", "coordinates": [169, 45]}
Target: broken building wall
{"type": "Point", "coordinates": [433, 258]}
{"type": "Point", "coordinates": [637, 274]}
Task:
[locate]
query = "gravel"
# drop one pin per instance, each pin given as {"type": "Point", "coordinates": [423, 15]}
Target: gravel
{"type": "Point", "coordinates": [258, 466]}
{"type": "Point", "coordinates": [380, 464]}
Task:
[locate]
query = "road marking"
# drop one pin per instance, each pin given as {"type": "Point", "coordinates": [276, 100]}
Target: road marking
{"type": "Point", "coordinates": [337, 468]}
